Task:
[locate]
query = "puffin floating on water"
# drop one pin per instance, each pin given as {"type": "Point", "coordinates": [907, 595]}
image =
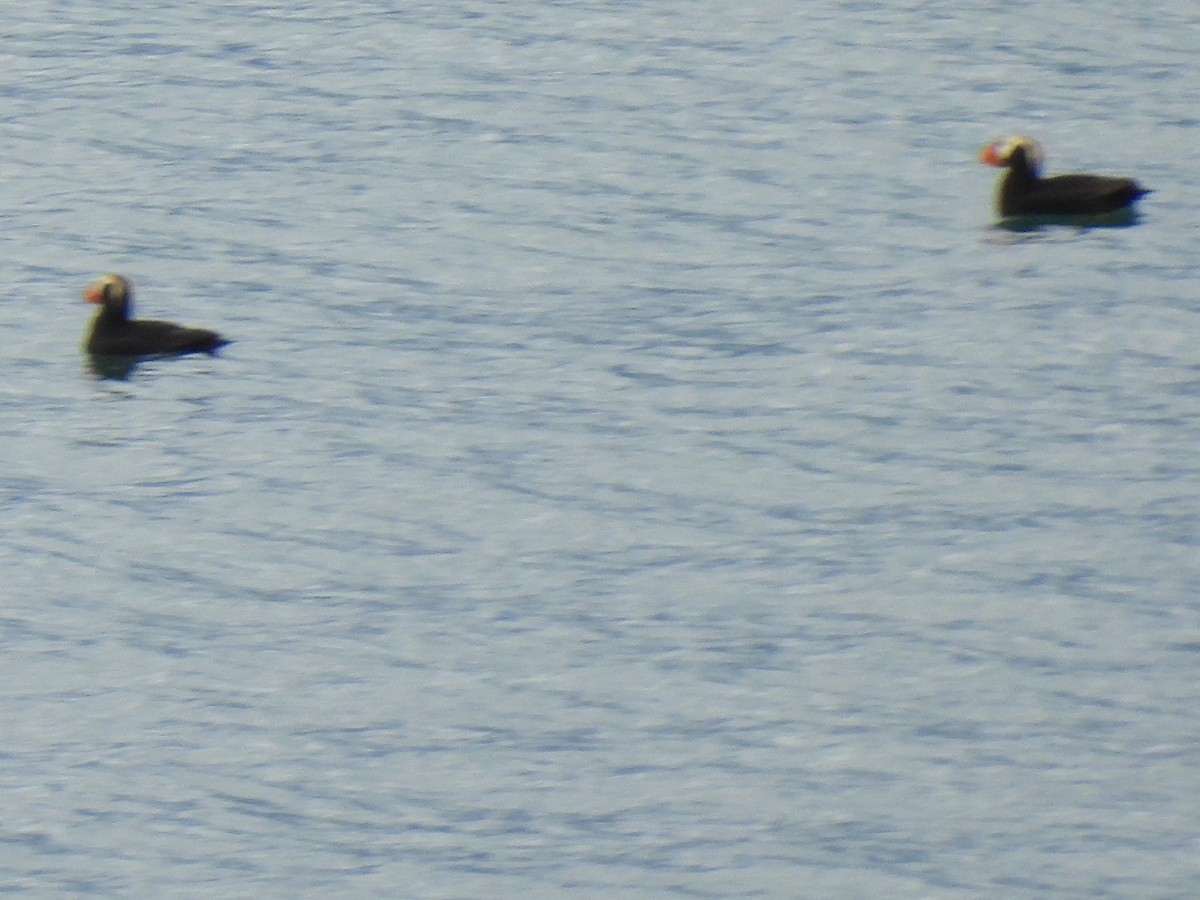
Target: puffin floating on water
{"type": "Point", "coordinates": [1024, 192]}
{"type": "Point", "coordinates": [115, 334]}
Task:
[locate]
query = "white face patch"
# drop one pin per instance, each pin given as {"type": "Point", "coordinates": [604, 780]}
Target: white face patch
{"type": "Point", "coordinates": [1033, 150]}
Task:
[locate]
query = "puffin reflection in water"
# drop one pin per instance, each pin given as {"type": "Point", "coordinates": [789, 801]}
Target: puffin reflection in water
{"type": "Point", "coordinates": [116, 341]}
{"type": "Point", "coordinates": [1023, 192]}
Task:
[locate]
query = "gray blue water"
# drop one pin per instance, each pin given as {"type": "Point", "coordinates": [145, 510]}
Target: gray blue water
{"type": "Point", "coordinates": [642, 469]}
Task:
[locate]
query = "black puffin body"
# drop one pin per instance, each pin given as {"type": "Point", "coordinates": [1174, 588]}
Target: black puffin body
{"type": "Point", "coordinates": [115, 334]}
{"type": "Point", "coordinates": [1024, 192]}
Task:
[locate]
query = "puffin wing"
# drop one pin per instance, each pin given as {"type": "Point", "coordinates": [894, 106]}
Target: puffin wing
{"type": "Point", "coordinates": [146, 337]}
{"type": "Point", "coordinates": [1081, 195]}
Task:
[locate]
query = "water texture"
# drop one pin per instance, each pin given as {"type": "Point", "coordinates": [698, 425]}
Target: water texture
{"type": "Point", "coordinates": [642, 469]}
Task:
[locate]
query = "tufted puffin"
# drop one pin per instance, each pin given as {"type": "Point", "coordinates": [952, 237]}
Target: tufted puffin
{"type": "Point", "coordinates": [1024, 192]}
{"type": "Point", "coordinates": [115, 334]}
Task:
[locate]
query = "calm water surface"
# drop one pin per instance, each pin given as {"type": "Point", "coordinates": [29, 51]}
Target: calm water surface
{"type": "Point", "coordinates": [642, 469]}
